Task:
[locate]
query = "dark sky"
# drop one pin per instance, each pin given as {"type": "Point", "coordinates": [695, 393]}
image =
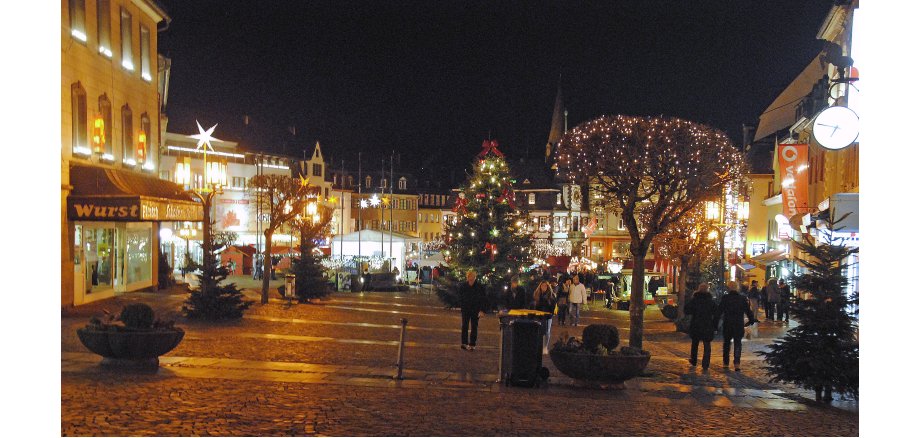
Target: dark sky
{"type": "Point", "coordinates": [431, 79]}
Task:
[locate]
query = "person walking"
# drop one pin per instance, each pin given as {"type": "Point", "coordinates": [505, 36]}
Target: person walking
{"type": "Point", "coordinates": [578, 295]}
{"type": "Point", "coordinates": [771, 293]}
{"type": "Point", "coordinates": [562, 299]}
{"type": "Point", "coordinates": [703, 310]}
{"type": "Point", "coordinates": [785, 298]}
{"type": "Point", "coordinates": [472, 304]}
{"type": "Point", "coordinates": [754, 298]}
{"type": "Point", "coordinates": [543, 301]}
{"type": "Point", "coordinates": [517, 296]}
{"type": "Point", "coordinates": [732, 310]}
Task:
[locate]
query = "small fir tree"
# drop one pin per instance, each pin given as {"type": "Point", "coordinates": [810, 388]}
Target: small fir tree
{"type": "Point", "coordinates": [489, 235]}
{"type": "Point", "coordinates": [309, 281]}
{"type": "Point", "coordinates": [214, 300]}
{"type": "Point", "coordinates": [822, 352]}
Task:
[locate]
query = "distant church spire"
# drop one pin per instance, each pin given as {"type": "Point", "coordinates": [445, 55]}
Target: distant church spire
{"type": "Point", "coordinates": [557, 127]}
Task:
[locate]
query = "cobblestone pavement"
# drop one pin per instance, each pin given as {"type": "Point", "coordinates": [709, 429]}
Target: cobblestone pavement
{"type": "Point", "coordinates": [326, 368]}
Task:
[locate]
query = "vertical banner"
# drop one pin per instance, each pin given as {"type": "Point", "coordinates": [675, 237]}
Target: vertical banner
{"type": "Point", "coordinates": [793, 167]}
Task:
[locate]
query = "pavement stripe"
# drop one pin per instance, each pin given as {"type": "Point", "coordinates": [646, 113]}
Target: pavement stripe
{"type": "Point", "coordinates": [361, 324]}
{"type": "Point", "coordinates": [298, 338]}
{"type": "Point", "coordinates": [395, 312]}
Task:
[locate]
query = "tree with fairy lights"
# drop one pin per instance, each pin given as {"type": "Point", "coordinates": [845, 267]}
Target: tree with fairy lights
{"type": "Point", "coordinates": [685, 241]}
{"type": "Point", "coordinates": [653, 168]}
{"type": "Point", "coordinates": [488, 235]}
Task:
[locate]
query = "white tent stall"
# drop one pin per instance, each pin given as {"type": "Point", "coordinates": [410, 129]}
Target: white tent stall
{"type": "Point", "coordinates": [372, 243]}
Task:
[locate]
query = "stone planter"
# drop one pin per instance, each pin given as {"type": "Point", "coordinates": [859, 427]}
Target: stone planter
{"type": "Point", "coordinates": [130, 348]}
{"type": "Point", "coordinates": [599, 371]}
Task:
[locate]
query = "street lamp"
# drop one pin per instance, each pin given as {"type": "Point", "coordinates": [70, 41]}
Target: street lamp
{"type": "Point", "coordinates": [715, 215]}
{"type": "Point", "coordinates": [212, 183]}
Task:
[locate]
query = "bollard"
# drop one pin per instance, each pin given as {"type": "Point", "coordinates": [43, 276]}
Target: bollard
{"type": "Point", "coordinates": [501, 351]}
{"type": "Point", "coordinates": [402, 342]}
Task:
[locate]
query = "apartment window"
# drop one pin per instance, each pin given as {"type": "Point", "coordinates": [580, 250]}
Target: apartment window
{"type": "Point", "coordinates": [367, 181]}
{"type": "Point", "coordinates": [164, 175]}
{"type": "Point", "coordinates": [145, 128]}
{"type": "Point", "coordinates": [351, 181]}
{"type": "Point", "coordinates": [127, 127]}
{"type": "Point", "coordinates": [620, 225]}
{"type": "Point", "coordinates": [238, 182]}
{"type": "Point", "coordinates": [79, 121]}
{"type": "Point", "coordinates": [145, 54]}
{"type": "Point", "coordinates": [78, 19]}
{"type": "Point", "coordinates": [531, 198]}
{"type": "Point", "coordinates": [402, 183]}
{"type": "Point", "coordinates": [105, 111]}
{"type": "Point", "coordinates": [326, 192]}
{"type": "Point", "coordinates": [558, 198]}
{"type": "Point", "coordinates": [104, 27]}
{"type": "Point", "coordinates": [127, 56]}
{"type": "Point", "coordinates": [419, 217]}
{"type": "Point", "coordinates": [317, 169]}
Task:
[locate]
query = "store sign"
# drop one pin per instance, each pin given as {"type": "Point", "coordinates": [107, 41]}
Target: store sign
{"type": "Point", "coordinates": [130, 209]}
{"type": "Point", "coordinates": [793, 165]}
{"type": "Point", "coordinates": [758, 249]}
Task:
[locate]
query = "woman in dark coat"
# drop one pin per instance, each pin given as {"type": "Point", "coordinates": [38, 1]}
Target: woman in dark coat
{"type": "Point", "coordinates": [703, 323]}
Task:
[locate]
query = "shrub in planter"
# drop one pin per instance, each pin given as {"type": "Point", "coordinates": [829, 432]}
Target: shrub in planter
{"type": "Point", "coordinates": [595, 361]}
{"type": "Point", "coordinates": [134, 339]}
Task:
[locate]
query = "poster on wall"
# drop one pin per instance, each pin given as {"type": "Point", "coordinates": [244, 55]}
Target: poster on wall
{"type": "Point", "coordinates": [233, 213]}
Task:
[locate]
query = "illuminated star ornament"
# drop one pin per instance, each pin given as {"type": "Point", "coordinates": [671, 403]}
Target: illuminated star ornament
{"type": "Point", "coordinates": [363, 203]}
{"type": "Point", "coordinates": [204, 137]}
{"type": "Point", "coordinates": [303, 181]}
{"type": "Point", "coordinates": [375, 201]}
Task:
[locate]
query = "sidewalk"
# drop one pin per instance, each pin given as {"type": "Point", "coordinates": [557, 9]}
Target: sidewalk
{"type": "Point", "coordinates": [348, 343]}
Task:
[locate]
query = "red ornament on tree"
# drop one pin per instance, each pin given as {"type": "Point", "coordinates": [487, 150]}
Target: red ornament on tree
{"type": "Point", "coordinates": [460, 205]}
{"type": "Point", "coordinates": [492, 249]}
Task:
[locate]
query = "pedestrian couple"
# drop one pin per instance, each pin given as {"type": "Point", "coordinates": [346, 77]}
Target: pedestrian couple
{"type": "Point", "coordinates": [705, 315]}
{"type": "Point", "coordinates": [569, 299]}
{"type": "Point", "coordinates": [778, 297]}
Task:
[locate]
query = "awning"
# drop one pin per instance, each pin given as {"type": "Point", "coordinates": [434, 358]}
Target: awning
{"type": "Point", "coordinates": [770, 257]}
{"type": "Point", "coordinates": [104, 194]}
{"type": "Point", "coordinates": [649, 264]}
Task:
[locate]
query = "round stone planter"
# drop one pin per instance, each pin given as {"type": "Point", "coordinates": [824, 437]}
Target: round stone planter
{"type": "Point", "coordinates": [599, 371]}
{"type": "Point", "coordinates": [126, 348]}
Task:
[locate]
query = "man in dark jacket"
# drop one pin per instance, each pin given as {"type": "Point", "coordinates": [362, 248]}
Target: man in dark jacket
{"type": "Point", "coordinates": [472, 303]}
{"type": "Point", "coordinates": [732, 309]}
{"type": "Point", "coordinates": [517, 296]}
{"type": "Point", "coordinates": [785, 298]}
{"type": "Point", "coordinates": [770, 294]}
{"type": "Point", "coordinates": [703, 310]}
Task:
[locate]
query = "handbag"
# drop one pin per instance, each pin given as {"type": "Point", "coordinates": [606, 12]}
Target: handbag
{"type": "Point", "coordinates": [683, 324]}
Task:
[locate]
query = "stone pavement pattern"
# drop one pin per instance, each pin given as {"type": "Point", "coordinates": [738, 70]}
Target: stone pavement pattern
{"type": "Point", "coordinates": [324, 369]}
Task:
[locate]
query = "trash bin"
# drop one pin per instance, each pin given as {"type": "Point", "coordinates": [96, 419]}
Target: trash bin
{"type": "Point", "coordinates": [522, 347]}
{"type": "Point", "coordinates": [289, 285]}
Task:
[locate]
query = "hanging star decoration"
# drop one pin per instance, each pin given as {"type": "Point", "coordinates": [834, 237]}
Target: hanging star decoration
{"type": "Point", "coordinates": [490, 146]}
{"type": "Point", "coordinates": [375, 201]}
{"type": "Point", "coordinates": [333, 199]}
{"type": "Point", "coordinates": [386, 201]}
{"type": "Point", "coordinates": [303, 181]}
{"type": "Point", "coordinates": [363, 203]}
{"type": "Point", "coordinates": [204, 137]}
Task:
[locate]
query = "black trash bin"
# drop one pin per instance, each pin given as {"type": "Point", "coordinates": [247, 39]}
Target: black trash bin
{"type": "Point", "coordinates": [522, 348]}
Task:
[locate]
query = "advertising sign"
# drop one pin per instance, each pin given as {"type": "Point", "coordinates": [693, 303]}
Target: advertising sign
{"type": "Point", "coordinates": [793, 167]}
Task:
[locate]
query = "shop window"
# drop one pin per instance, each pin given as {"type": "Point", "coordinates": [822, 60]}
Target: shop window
{"type": "Point", "coordinates": [139, 255]}
{"type": "Point", "coordinates": [104, 27]}
{"type": "Point", "coordinates": [105, 111]}
{"type": "Point", "coordinates": [78, 119]}
{"type": "Point", "coordinates": [78, 19]}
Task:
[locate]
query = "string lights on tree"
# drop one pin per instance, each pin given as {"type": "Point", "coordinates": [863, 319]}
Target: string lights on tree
{"type": "Point", "coordinates": [663, 167]}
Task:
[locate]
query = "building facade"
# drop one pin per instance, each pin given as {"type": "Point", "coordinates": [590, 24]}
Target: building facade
{"type": "Point", "coordinates": [112, 204]}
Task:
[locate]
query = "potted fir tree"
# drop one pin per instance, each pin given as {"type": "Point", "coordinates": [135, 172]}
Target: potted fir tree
{"type": "Point", "coordinates": [134, 339]}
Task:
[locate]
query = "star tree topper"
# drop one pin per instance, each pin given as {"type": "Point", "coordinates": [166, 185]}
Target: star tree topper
{"type": "Point", "coordinates": [204, 137]}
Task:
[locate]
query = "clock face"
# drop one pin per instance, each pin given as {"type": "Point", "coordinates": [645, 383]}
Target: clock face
{"type": "Point", "coordinates": [836, 127]}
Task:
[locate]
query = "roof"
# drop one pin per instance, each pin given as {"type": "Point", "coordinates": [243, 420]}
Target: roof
{"type": "Point", "coordinates": [781, 113]}
{"type": "Point", "coordinates": [245, 249]}
{"type": "Point", "coordinates": [760, 156]}
{"type": "Point", "coordinates": [531, 174]}
{"type": "Point", "coordinates": [376, 236]}
{"type": "Point", "coordinates": [102, 181]}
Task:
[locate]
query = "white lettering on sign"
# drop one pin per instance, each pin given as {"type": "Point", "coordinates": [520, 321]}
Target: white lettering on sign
{"type": "Point", "coordinates": [149, 211]}
{"type": "Point", "coordinates": [787, 150]}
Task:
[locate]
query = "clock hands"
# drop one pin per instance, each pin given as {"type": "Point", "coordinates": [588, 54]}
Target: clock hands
{"type": "Point", "coordinates": [836, 127]}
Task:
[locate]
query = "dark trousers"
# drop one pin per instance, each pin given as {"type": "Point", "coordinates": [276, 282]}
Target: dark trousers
{"type": "Point", "coordinates": [726, 346]}
{"type": "Point", "coordinates": [563, 310]}
{"type": "Point", "coordinates": [782, 311]}
{"type": "Point", "coordinates": [694, 349]}
{"type": "Point", "coordinates": [770, 308]}
{"type": "Point", "coordinates": [469, 328]}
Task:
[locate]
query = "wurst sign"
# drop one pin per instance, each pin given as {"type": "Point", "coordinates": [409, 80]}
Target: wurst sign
{"type": "Point", "coordinates": [131, 209]}
{"type": "Point", "coordinates": [793, 168]}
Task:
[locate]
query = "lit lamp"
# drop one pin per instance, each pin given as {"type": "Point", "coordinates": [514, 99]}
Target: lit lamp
{"type": "Point", "coordinates": [98, 135]}
{"type": "Point", "coordinates": [714, 217]}
{"type": "Point", "coordinates": [141, 153]}
{"type": "Point", "coordinates": [187, 234]}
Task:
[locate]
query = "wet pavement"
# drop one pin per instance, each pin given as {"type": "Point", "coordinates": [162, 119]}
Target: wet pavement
{"type": "Point", "coordinates": [327, 369]}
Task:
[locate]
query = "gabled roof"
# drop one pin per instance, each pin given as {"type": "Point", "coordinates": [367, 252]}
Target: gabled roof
{"type": "Point", "coordinates": [781, 113]}
{"type": "Point", "coordinates": [536, 172]}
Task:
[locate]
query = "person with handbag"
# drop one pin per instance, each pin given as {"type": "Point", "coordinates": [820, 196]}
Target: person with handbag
{"type": "Point", "coordinates": [562, 299]}
{"type": "Point", "coordinates": [733, 309]}
{"type": "Point", "coordinates": [702, 311]}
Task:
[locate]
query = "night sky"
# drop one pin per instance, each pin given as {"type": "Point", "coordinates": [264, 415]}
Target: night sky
{"type": "Point", "coordinates": [432, 79]}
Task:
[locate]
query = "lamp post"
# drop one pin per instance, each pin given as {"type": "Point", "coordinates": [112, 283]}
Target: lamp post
{"type": "Point", "coordinates": [716, 212]}
{"type": "Point", "coordinates": [187, 234]}
{"type": "Point", "coordinates": [213, 180]}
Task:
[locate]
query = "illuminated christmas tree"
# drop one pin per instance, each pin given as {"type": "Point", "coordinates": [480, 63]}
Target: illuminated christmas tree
{"type": "Point", "coordinates": [489, 235]}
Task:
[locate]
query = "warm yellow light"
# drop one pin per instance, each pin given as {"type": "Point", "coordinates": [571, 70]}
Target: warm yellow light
{"type": "Point", "coordinates": [713, 211]}
{"type": "Point", "coordinates": [311, 208]}
{"type": "Point", "coordinates": [184, 172]}
{"type": "Point", "coordinates": [98, 134]}
{"type": "Point", "coordinates": [217, 174]}
{"type": "Point", "coordinates": [713, 235]}
{"type": "Point", "coordinates": [744, 210]}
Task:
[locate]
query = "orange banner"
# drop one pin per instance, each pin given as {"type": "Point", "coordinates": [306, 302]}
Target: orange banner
{"type": "Point", "coordinates": [793, 171]}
